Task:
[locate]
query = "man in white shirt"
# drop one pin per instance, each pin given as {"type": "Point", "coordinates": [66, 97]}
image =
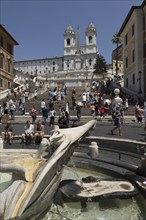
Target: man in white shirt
{"type": "Point", "coordinates": [43, 104]}
{"type": "Point", "coordinates": [28, 134]}
{"type": "Point", "coordinates": [84, 99]}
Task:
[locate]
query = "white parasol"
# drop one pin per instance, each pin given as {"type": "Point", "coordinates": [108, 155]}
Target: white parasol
{"type": "Point", "coordinates": [79, 103]}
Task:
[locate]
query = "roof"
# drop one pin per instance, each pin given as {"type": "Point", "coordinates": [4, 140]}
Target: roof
{"type": "Point", "coordinates": [91, 27]}
{"type": "Point", "coordinates": [129, 15]}
{"type": "Point", "coordinates": [3, 29]}
{"type": "Point", "coordinates": [69, 30]}
{"type": "Point", "coordinates": [35, 60]}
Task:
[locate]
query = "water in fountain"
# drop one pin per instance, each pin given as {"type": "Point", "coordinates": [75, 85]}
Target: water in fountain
{"type": "Point", "coordinates": [111, 209]}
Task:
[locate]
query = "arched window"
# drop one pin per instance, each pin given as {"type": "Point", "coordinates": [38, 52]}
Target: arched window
{"type": "Point", "coordinates": [90, 39]}
{"type": "Point", "coordinates": [53, 63]}
{"type": "Point", "coordinates": [90, 62]}
{"type": "Point", "coordinates": [68, 63]}
{"type": "Point", "coordinates": [1, 60]}
{"type": "Point", "coordinates": [68, 41]}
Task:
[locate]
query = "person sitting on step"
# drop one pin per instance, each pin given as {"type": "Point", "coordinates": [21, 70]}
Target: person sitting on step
{"type": "Point", "coordinates": [28, 134]}
{"type": "Point", "coordinates": [8, 133]}
{"type": "Point", "coordinates": [39, 132]}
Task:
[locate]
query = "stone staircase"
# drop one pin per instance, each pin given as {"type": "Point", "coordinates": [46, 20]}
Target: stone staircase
{"type": "Point", "coordinates": [79, 91]}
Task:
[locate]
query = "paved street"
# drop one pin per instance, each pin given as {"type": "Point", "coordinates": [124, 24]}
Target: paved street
{"type": "Point", "coordinates": [131, 131]}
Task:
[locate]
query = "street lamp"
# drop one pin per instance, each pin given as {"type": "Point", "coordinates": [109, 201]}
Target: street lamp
{"type": "Point", "coordinates": [139, 80]}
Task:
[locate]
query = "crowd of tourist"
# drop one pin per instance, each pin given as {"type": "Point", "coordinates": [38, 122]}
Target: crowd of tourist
{"type": "Point", "coordinates": [97, 98]}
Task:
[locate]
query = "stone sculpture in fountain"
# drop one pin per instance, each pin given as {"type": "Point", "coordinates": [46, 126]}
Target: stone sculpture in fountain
{"type": "Point", "coordinates": [35, 178]}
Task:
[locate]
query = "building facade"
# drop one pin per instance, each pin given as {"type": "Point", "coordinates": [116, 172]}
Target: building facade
{"type": "Point", "coordinates": [77, 57]}
{"type": "Point", "coordinates": [117, 59]}
{"type": "Point", "coordinates": [133, 36]}
{"type": "Point", "coordinates": [7, 43]}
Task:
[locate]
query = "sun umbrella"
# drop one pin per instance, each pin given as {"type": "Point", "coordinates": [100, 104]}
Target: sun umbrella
{"type": "Point", "coordinates": [108, 101]}
{"type": "Point", "coordinates": [79, 103]}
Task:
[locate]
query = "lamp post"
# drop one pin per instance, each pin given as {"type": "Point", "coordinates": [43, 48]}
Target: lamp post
{"type": "Point", "coordinates": [139, 80]}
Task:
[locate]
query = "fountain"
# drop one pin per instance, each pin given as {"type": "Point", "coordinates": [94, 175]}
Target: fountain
{"type": "Point", "coordinates": [35, 178]}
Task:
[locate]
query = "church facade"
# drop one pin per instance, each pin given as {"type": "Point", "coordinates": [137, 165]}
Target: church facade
{"type": "Point", "coordinates": [77, 57]}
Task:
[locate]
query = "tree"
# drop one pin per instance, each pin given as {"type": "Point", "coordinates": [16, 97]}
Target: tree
{"type": "Point", "coordinates": [116, 40]}
{"type": "Point", "coordinates": [100, 67]}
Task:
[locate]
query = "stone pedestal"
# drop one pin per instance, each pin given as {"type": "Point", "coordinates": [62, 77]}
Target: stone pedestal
{"type": "Point", "coordinates": [117, 100]}
{"type": "Point", "coordinates": [93, 150]}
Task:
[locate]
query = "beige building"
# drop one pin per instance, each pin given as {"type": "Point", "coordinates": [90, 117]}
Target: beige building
{"type": "Point", "coordinates": [7, 43]}
{"type": "Point", "coordinates": [117, 59]}
{"type": "Point", "coordinates": [133, 37]}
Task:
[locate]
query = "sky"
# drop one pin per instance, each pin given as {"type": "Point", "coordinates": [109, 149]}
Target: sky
{"type": "Point", "coordinates": [38, 25]}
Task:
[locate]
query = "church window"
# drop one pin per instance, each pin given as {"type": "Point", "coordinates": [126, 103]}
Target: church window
{"type": "Point", "coordinates": [53, 68]}
{"type": "Point", "coordinates": [68, 42]}
{"type": "Point", "coordinates": [90, 39]}
{"type": "Point", "coordinates": [90, 62]}
{"type": "Point", "coordinates": [53, 62]}
{"type": "Point", "coordinates": [67, 63]}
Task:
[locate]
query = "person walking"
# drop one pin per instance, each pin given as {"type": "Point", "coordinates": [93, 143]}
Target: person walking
{"type": "Point", "coordinates": [12, 108]}
{"type": "Point", "coordinates": [43, 104]}
{"type": "Point", "coordinates": [52, 116]}
{"type": "Point", "coordinates": [78, 111]}
{"type": "Point", "coordinates": [35, 93]}
{"type": "Point", "coordinates": [84, 99]}
{"type": "Point", "coordinates": [1, 113]}
{"type": "Point", "coordinates": [45, 114]}
{"type": "Point", "coordinates": [139, 113]}
{"type": "Point", "coordinates": [117, 120]}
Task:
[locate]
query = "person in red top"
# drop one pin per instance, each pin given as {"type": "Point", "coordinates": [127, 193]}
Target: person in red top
{"type": "Point", "coordinates": [33, 114]}
{"type": "Point", "coordinates": [106, 108]}
{"type": "Point", "coordinates": [139, 113]}
{"type": "Point", "coordinates": [101, 110]}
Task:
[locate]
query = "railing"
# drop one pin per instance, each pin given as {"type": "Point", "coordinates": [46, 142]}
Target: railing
{"type": "Point", "coordinates": [4, 93]}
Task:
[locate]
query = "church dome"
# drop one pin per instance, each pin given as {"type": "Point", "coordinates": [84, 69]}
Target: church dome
{"type": "Point", "coordinates": [91, 28]}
